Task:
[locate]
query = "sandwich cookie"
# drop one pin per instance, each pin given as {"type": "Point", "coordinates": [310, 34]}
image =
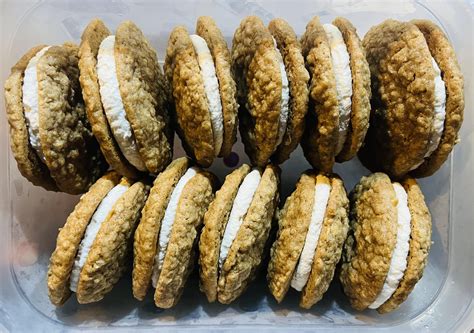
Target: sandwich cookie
{"type": "Point", "coordinates": [204, 91]}
{"type": "Point", "coordinates": [313, 225]}
{"type": "Point", "coordinates": [93, 246]}
{"type": "Point", "coordinates": [338, 118]}
{"type": "Point", "coordinates": [126, 97]}
{"type": "Point", "coordinates": [272, 88]}
{"type": "Point", "coordinates": [388, 243]}
{"type": "Point", "coordinates": [50, 136]}
{"type": "Point", "coordinates": [164, 245]}
{"type": "Point", "coordinates": [418, 99]}
{"type": "Point", "coordinates": [236, 229]}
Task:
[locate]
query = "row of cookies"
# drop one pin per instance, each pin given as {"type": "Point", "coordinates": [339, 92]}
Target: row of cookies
{"type": "Point", "coordinates": [384, 247]}
{"type": "Point", "coordinates": [277, 90]}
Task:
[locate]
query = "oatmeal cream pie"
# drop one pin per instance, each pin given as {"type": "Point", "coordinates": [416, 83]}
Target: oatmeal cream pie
{"type": "Point", "coordinates": [312, 227]}
{"type": "Point", "coordinates": [93, 247]}
{"type": "Point", "coordinates": [198, 68]}
{"type": "Point", "coordinates": [418, 98]}
{"type": "Point", "coordinates": [50, 136]}
{"type": "Point", "coordinates": [388, 244]}
{"type": "Point", "coordinates": [339, 92]}
{"type": "Point", "coordinates": [126, 97]}
{"type": "Point", "coordinates": [272, 89]}
{"type": "Point", "coordinates": [166, 237]}
{"type": "Point", "coordinates": [236, 229]}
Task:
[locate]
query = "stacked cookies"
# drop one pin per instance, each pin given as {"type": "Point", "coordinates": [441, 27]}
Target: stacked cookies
{"type": "Point", "coordinates": [73, 111]}
{"type": "Point", "coordinates": [65, 102]}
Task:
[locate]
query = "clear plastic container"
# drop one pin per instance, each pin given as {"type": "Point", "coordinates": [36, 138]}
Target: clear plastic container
{"type": "Point", "coordinates": [441, 301]}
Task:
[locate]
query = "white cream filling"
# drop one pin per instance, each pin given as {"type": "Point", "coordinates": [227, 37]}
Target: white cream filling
{"type": "Point", "coordinates": [398, 263]}
{"type": "Point", "coordinates": [113, 104]}
{"type": "Point", "coordinates": [92, 229]}
{"type": "Point", "coordinates": [342, 73]}
{"type": "Point", "coordinates": [321, 197]}
{"type": "Point", "coordinates": [167, 223]}
{"type": "Point", "coordinates": [211, 87]}
{"type": "Point", "coordinates": [439, 110]}
{"type": "Point", "coordinates": [285, 96]}
{"type": "Point", "coordinates": [239, 209]}
{"type": "Point", "coordinates": [31, 103]}
{"type": "Point", "coordinates": [439, 113]}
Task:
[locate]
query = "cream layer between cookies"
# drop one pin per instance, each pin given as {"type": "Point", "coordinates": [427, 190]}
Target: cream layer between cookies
{"type": "Point", "coordinates": [342, 72]}
{"type": "Point", "coordinates": [92, 229]}
{"type": "Point", "coordinates": [211, 88]}
{"type": "Point", "coordinates": [439, 113]}
{"type": "Point", "coordinates": [285, 96]}
{"type": "Point", "coordinates": [240, 206]}
{"type": "Point", "coordinates": [113, 104]}
{"type": "Point", "coordinates": [303, 269]}
{"type": "Point", "coordinates": [398, 262]}
{"type": "Point", "coordinates": [31, 103]}
{"type": "Point", "coordinates": [167, 223]}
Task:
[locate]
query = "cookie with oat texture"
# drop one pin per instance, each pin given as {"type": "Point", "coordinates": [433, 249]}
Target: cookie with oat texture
{"type": "Point", "coordinates": [50, 135]}
{"type": "Point", "coordinates": [388, 244]}
{"type": "Point", "coordinates": [93, 247]}
{"type": "Point", "coordinates": [166, 237]}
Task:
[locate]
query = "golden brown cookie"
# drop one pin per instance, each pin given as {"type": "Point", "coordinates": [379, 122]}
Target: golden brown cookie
{"type": "Point", "coordinates": [146, 235]}
{"type": "Point", "coordinates": [92, 36]}
{"type": "Point", "coordinates": [215, 221]}
{"type": "Point", "coordinates": [443, 53]}
{"type": "Point", "coordinates": [245, 254]}
{"type": "Point", "coordinates": [298, 78]}
{"type": "Point", "coordinates": [70, 149]}
{"type": "Point", "coordinates": [70, 236]}
{"type": "Point", "coordinates": [294, 221]}
{"type": "Point", "coordinates": [192, 107]}
{"type": "Point", "coordinates": [191, 202]}
{"type": "Point", "coordinates": [420, 243]}
{"type": "Point", "coordinates": [106, 258]}
{"type": "Point", "coordinates": [207, 29]}
{"type": "Point", "coordinates": [320, 138]}
{"type": "Point", "coordinates": [373, 238]}
{"type": "Point", "coordinates": [145, 96]}
{"type": "Point", "coordinates": [29, 163]}
{"type": "Point", "coordinates": [66, 157]}
{"type": "Point", "coordinates": [329, 249]}
{"type": "Point", "coordinates": [324, 141]}
{"type": "Point", "coordinates": [272, 88]}
{"type": "Point", "coordinates": [225, 277]}
{"type": "Point", "coordinates": [179, 258]}
{"type": "Point", "coordinates": [257, 73]}
{"type": "Point", "coordinates": [361, 93]}
{"type": "Point", "coordinates": [401, 59]}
